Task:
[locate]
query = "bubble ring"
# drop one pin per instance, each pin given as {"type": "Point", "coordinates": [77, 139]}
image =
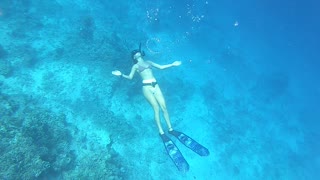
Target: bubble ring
{"type": "Point", "coordinates": [148, 45]}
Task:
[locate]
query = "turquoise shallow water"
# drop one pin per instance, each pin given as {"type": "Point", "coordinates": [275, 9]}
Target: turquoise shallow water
{"type": "Point", "coordinates": [247, 89]}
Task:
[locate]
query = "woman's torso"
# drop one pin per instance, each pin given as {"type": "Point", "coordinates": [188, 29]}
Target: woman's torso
{"type": "Point", "coordinates": [145, 71]}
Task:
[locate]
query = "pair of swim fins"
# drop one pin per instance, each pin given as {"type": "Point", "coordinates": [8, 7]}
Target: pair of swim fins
{"type": "Point", "coordinates": [175, 153]}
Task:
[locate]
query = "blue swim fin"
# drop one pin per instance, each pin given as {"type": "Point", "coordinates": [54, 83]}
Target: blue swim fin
{"type": "Point", "coordinates": [175, 153]}
{"type": "Point", "coordinates": [190, 143]}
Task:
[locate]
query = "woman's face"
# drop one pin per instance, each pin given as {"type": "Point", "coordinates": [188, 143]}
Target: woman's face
{"type": "Point", "coordinates": [137, 55]}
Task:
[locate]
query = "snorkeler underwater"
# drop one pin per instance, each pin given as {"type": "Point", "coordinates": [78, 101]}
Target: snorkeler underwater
{"type": "Point", "coordinates": [159, 90]}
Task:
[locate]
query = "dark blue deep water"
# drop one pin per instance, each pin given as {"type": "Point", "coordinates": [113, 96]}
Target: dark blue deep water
{"type": "Point", "coordinates": [248, 88]}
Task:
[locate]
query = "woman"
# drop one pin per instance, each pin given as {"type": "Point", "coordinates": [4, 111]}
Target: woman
{"type": "Point", "coordinates": [150, 87]}
{"type": "Point", "coordinates": [152, 92]}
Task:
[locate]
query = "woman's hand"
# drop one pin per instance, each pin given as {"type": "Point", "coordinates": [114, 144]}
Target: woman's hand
{"type": "Point", "coordinates": [176, 63]}
{"type": "Point", "coordinates": [116, 73]}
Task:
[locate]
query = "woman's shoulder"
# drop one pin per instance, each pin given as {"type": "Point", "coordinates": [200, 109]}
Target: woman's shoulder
{"type": "Point", "coordinates": [149, 62]}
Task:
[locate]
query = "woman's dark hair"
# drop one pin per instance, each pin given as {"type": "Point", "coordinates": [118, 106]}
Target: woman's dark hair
{"type": "Point", "coordinates": [134, 52]}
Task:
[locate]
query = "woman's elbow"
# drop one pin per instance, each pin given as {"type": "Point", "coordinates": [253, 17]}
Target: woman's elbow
{"type": "Point", "coordinates": [130, 77]}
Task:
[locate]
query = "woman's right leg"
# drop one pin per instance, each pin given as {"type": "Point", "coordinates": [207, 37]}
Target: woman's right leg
{"type": "Point", "coordinates": [159, 97]}
{"type": "Point", "coordinates": [152, 100]}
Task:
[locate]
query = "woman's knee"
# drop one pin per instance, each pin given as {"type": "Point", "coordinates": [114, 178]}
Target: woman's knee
{"type": "Point", "coordinates": [164, 108]}
{"type": "Point", "coordinates": [156, 108]}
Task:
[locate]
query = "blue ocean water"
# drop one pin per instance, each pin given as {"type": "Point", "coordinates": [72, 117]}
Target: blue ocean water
{"type": "Point", "coordinates": [247, 88]}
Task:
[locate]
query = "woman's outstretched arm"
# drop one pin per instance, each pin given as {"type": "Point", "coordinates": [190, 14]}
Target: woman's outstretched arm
{"type": "Point", "coordinates": [130, 76]}
{"type": "Point", "coordinates": [176, 63]}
